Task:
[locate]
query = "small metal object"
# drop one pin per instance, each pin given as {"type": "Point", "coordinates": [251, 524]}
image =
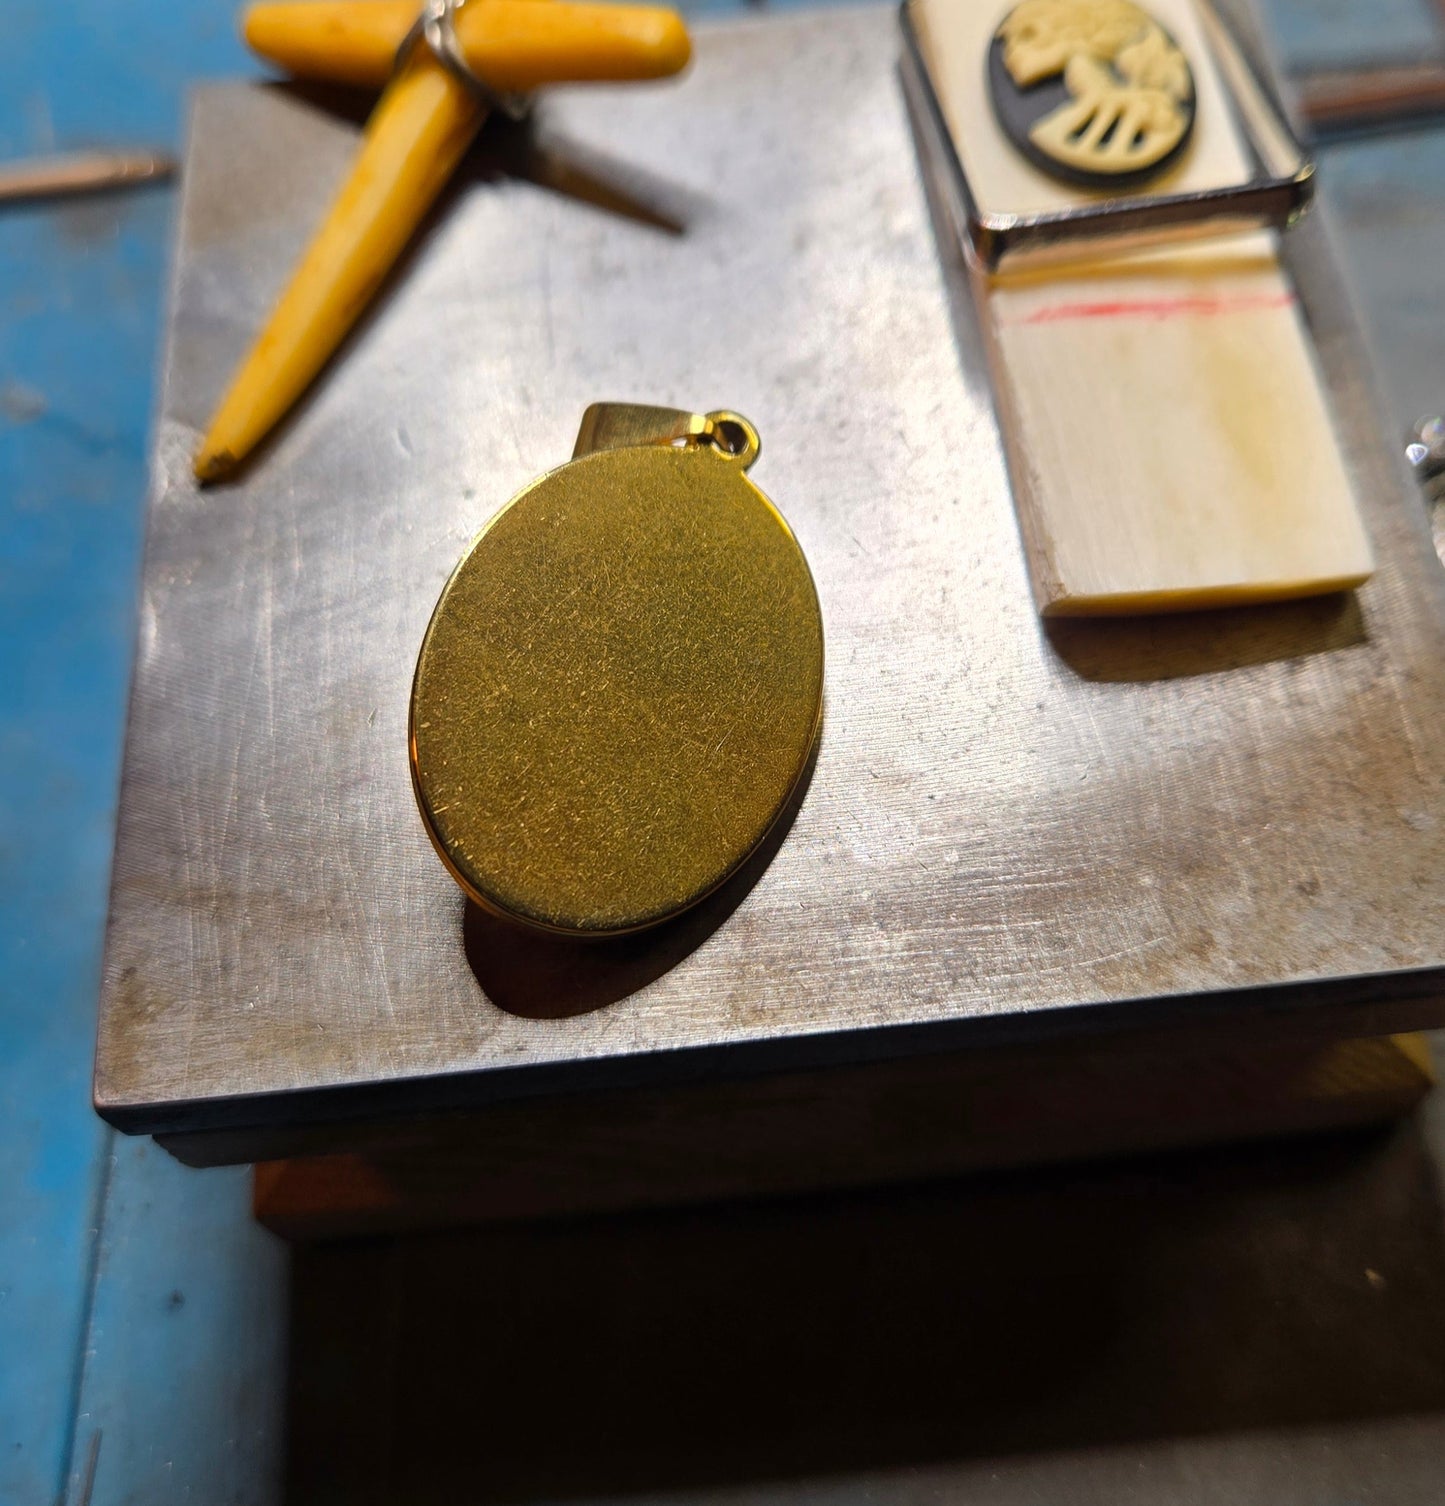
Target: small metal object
{"type": "Point", "coordinates": [1425, 449]}
{"type": "Point", "coordinates": [622, 683]}
{"type": "Point", "coordinates": [1277, 197]}
{"type": "Point", "coordinates": [1093, 92]}
{"type": "Point", "coordinates": [436, 27]}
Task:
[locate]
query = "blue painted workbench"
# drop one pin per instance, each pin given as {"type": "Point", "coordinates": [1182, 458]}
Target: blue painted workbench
{"type": "Point", "coordinates": [119, 1276]}
{"type": "Point", "coordinates": [142, 1317]}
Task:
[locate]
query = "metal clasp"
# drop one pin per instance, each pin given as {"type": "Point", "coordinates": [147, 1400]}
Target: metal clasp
{"type": "Point", "coordinates": [436, 27]}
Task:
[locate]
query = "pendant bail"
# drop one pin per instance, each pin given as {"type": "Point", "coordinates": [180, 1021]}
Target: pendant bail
{"type": "Point", "coordinates": [621, 426]}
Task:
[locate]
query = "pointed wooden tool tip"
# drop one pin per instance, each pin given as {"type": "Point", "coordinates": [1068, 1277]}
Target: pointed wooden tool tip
{"type": "Point", "coordinates": [212, 464]}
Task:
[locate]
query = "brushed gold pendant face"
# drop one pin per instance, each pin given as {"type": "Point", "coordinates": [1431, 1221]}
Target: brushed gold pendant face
{"type": "Point", "coordinates": [622, 682]}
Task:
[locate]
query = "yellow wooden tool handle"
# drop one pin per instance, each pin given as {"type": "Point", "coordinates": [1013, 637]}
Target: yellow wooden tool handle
{"type": "Point", "coordinates": [423, 123]}
{"type": "Point", "coordinates": [512, 44]}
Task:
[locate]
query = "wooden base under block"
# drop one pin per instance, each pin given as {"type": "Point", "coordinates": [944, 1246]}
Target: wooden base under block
{"type": "Point", "coordinates": [847, 1127]}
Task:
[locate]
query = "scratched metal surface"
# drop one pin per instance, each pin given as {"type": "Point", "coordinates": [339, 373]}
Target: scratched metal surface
{"type": "Point", "coordinates": [1132, 823]}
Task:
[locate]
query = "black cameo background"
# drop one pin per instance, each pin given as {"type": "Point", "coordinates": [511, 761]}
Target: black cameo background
{"type": "Point", "coordinates": [1020, 110]}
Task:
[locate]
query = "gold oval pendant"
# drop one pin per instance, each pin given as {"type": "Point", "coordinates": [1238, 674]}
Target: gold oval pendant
{"type": "Point", "coordinates": [622, 682]}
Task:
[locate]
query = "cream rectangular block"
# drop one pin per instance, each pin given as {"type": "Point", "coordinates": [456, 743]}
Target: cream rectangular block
{"type": "Point", "coordinates": [1169, 442]}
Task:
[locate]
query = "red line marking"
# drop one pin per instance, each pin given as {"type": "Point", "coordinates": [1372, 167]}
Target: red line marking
{"type": "Point", "coordinates": [1157, 308]}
